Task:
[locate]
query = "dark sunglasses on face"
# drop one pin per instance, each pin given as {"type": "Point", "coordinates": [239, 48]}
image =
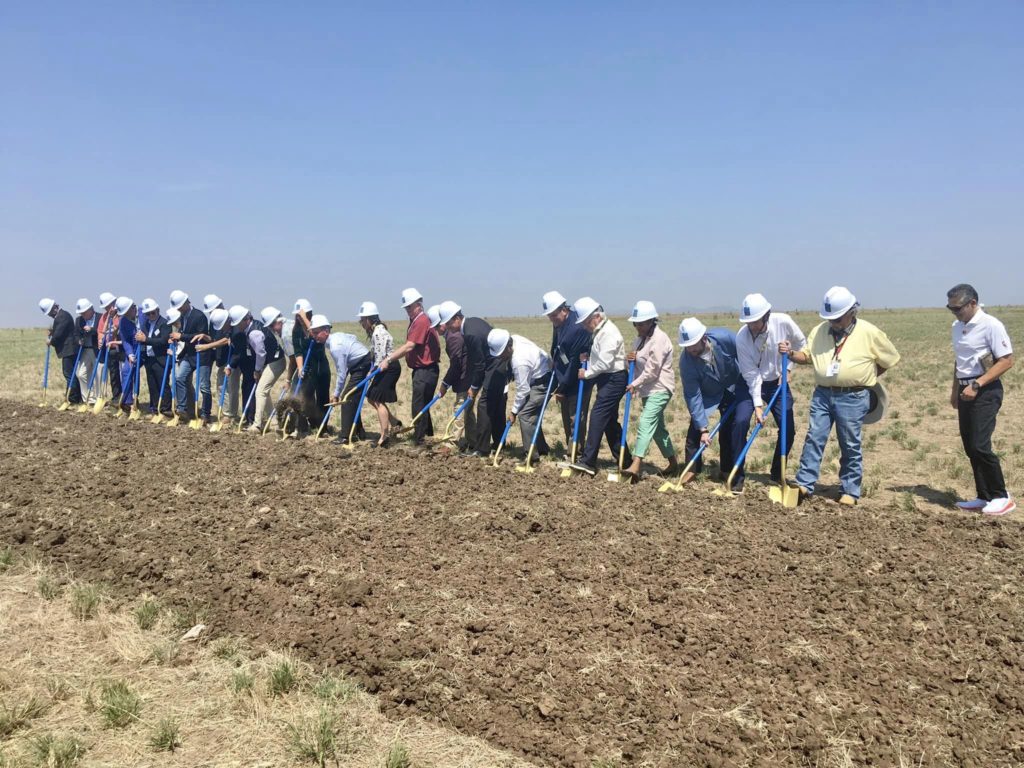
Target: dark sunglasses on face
{"type": "Point", "coordinates": [956, 310]}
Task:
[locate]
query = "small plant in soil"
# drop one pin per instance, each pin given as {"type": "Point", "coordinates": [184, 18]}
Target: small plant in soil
{"type": "Point", "coordinates": [20, 715]}
{"type": "Point", "coordinates": [57, 751]}
{"type": "Point", "coordinates": [49, 588]}
{"type": "Point", "coordinates": [119, 704]}
{"type": "Point", "coordinates": [315, 740]}
{"type": "Point", "coordinates": [85, 601]}
{"type": "Point", "coordinates": [282, 678]}
{"type": "Point", "coordinates": [335, 688]}
{"type": "Point", "coordinates": [6, 558]}
{"type": "Point", "coordinates": [146, 613]}
{"type": "Point", "coordinates": [57, 688]}
{"type": "Point", "coordinates": [241, 681]}
{"type": "Point", "coordinates": [166, 736]}
{"type": "Point", "coordinates": [398, 756]}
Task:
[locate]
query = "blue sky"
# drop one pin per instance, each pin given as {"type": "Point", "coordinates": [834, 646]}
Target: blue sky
{"type": "Point", "coordinates": [488, 152]}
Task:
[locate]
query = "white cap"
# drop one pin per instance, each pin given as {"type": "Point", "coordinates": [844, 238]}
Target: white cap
{"type": "Point", "coordinates": [123, 304]}
{"type": "Point", "coordinates": [497, 341]}
{"type": "Point", "coordinates": [237, 314]}
{"type": "Point", "coordinates": [148, 305]}
{"type": "Point", "coordinates": [755, 306]}
{"type": "Point", "coordinates": [434, 315]}
{"type": "Point", "coordinates": [319, 321]}
{"type": "Point", "coordinates": [211, 301]}
{"type": "Point", "coordinates": [691, 330]}
{"type": "Point", "coordinates": [46, 305]}
{"type": "Point", "coordinates": [837, 302]}
{"type": "Point", "coordinates": [642, 311]}
{"type": "Point", "coordinates": [218, 317]}
{"type": "Point", "coordinates": [173, 316]}
{"type": "Point", "coordinates": [302, 306]}
{"type": "Point", "coordinates": [106, 299]}
{"type": "Point", "coordinates": [368, 309]}
{"type": "Point", "coordinates": [448, 310]}
{"type": "Point", "coordinates": [83, 306]}
{"type": "Point", "coordinates": [269, 314]}
{"type": "Point", "coordinates": [552, 300]}
{"type": "Point", "coordinates": [585, 307]}
{"type": "Point", "coordinates": [178, 298]}
{"type": "Point", "coordinates": [410, 296]}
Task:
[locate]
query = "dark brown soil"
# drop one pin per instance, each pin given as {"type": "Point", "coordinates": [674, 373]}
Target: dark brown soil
{"type": "Point", "coordinates": [568, 620]}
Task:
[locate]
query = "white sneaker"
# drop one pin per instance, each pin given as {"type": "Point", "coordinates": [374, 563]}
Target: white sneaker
{"type": "Point", "coordinates": [999, 506]}
{"type": "Point", "coordinates": [972, 505]}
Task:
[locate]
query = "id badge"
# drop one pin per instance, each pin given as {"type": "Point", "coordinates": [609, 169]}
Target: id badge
{"type": "Point", "coordinates": [563, 357]}
{"type": "Point", "coordinates": [833, 369]}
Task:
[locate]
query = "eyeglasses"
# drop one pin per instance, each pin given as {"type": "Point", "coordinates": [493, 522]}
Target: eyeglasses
{"type": "Point", "coordinates": [956, 310]}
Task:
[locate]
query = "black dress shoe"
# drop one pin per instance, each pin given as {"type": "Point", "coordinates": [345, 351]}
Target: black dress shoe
{"type": "Point", "coordinates": [585, 468]}
{"type": "Point", "coordinates": [340, 441]}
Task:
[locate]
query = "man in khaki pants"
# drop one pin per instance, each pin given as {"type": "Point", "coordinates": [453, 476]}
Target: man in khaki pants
{"type": "Point", "coordinates": [265, 342]}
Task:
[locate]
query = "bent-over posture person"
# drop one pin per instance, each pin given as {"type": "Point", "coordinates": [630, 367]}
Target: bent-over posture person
{"type": "Point", "coordinates": [654, 381]}
{"type": "Point", "coordinates": [383, 389]}
{"type": "Point", "coordinates": [352, 361]}
{"type": "Point", "coordinates": [531, 372]}
{"type": "Point", "coordinates": [64, 341]}
{"type": "Point", "coordinates": [459, 375]}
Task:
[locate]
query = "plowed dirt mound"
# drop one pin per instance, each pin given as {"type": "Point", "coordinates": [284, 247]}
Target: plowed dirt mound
{"type": "Point", "coordinates": [566, 619]}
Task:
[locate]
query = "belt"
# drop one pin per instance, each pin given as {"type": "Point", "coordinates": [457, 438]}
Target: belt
{"type": "Point", "coordinates": [541, 381]}
{"type": "Point", "coordinates": [967, 382]}
{"type": "Point", "coordinates": [843, 389]}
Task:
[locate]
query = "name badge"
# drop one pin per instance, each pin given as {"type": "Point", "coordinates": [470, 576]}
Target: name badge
{"type": "Point", "coordinates": [833, 369]}
{"type": "Point", "coordinates": [564, 357]}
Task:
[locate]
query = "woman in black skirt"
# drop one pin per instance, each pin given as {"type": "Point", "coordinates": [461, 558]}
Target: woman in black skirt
{"type": "Point", "coordinates": [382, 388]}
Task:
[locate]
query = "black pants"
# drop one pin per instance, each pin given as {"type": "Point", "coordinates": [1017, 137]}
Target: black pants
{"type": "Point", "coordinates": [569, 414]}
{"type": "Point", "coordinates": [604, 418]}
{"type": "Point", "coordinates": [155, 368]}
{"type": "Point", "coordinates": [71, 384]}
{"type": "Point", "coordinates": [356, 376]}
{"type": "Point", "coordinates": [977, 423]}
{"type": "Point", "coordinates": [745, 409]}
{"type": "Point", "coordinates": [490, 406]}
{"type": "Point", "coordinates": [424, 385]}
{"type": "Point", "coordinates": [731, 437]}
{"type": "Point", "coordinates": [114, 372]}
{"type": "Point", "coordinates": [247, 367]}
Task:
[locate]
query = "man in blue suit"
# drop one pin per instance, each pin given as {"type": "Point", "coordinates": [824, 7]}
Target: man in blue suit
{"type": "Point", "coordinates": [712, 380]}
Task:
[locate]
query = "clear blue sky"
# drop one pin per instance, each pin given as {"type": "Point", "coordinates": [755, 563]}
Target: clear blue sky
{"type": "Point", "coordinates": [488, 152]}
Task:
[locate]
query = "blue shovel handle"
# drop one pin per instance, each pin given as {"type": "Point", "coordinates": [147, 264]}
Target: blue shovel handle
{"type": "Point", "coordinates": [713, 432]}
{"type": "Point", "coordinates": [543, 407]}
{"type": "Point", "coordinates": [504, 434]}
{"type": "Point", "coordinates": [784, 387]}
{"type": "Point", "coordinates": [74, 373]}
{"type": "Point", "coordinates": [223, 385]}
{"type": "Point", "coordinates": [46, 368]}
{"type": "Point", "coordinates": [461, 408]}
{"type": "Point", "coordinates": [362, 398]}
{"type": "Point", "coordinates": [92, 378]}
{"type": "Point", "coordinates": [757, 428]}
{"type": "Point", "coordinates": [629, 402]}
{"type": "Point", "coordinates": [197, 383]}
{"type": "Point", "coordinates": [138, 379]}
{"type": "Point", "coordinates": [302, 373]}
{"type": "Point", "coordinates": [428, 406]}
{"type": "Point", "coordinates": [163, 381]}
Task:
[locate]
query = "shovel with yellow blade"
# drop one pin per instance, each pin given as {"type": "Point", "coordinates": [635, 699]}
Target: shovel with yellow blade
{"type": "Point", "coordinates": [726, 489]}
{"type": "Point", "coordinates": [567, 471]}
{"type": "Point", "coordinates": [157, 417]}
{"type": "Point", "coordinates": [615, 476]}
{"type": "Point", "coordinates": [668, 485]}
{"type": "Point", "coordinates": [46, 376]}
{"type": "Point", "coordinates": [197, 422]}
{"type": "Point", "coordinates": [528, 466]}
{"type": "Point", "coordinates": [74, 374]}
{"type": "Point", "coordinates": [784, 494]}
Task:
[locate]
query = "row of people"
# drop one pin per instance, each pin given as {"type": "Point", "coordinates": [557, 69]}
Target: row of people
{"type": "Point", "coordinates": [737, 374]}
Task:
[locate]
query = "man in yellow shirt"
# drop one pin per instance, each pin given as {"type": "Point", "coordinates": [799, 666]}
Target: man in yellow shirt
{"type": "Point", "coordinates": [848, 355]}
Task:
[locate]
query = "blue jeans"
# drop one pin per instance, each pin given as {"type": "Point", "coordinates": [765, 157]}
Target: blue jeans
{"type": "Point", "coordinates": [184, 372]}
{"type": "Point", "coordinates": [745, 409]}
{"type": "Point", "coordinates": [847, 411]}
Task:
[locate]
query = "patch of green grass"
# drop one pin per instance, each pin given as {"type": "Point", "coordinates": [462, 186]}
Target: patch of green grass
{"type": "Point", "coordinates": [146, 613]}
{"type": "Point", "coordinates": [49, 587]}
{"type": "Point", "coordinates": [335, 688]}
{"type": "Point", "coordinates": [316, 740]}
{"type": "Point", "coordinates": [6, 558]}
{"type": "Point", "coordinates": [906, 502]}
{"type": "Point", "coordinates": [119, 705]}
{"type": "Point", "coordinates": [227, 648]}
{"type": "Point", "coordinates": [85, 601]}
{"type": "Point", "coordinates": [20, 715]}
{"type": "Point", "coordinates": [166, 736]}
{"type": "Point", "coordinates": [58, 688]}
{"type": "Point", "coordinates": [398, 756]}
{"type": "Point", "coordinates": [241, 681]}
{"type": "Point", "coordinates": [56, 751]}
{"type": "Point", "coordinates": [869, 487]}
{"type": "Point", "coordinates": [189, 615]}
{"type": "Point", "coordinates": [164, 653]}
{"type": "Point", "coordinates": [283, 677]}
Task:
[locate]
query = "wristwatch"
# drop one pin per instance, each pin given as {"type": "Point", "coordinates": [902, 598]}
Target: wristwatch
{"type": "Point", "coordinates": [974, 385]}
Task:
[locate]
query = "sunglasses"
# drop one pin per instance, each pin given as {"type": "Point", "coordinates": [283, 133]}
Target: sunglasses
{"type": "Point", "coordinates": [956, 310]}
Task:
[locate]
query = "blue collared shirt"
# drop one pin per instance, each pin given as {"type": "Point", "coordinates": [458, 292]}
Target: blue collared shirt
{"type": "Point", "coordinates": [705, 385]}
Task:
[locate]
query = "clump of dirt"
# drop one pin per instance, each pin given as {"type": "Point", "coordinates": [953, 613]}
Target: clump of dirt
{"type": "Point", "coordinates": [570, 620]}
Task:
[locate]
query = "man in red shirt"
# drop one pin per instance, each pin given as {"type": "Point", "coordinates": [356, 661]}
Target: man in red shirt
{"type": "Point", "coordinates": [422, 350]}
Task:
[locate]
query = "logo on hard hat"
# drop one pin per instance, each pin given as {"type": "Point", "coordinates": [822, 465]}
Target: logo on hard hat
{"type": "Point", "coordinates": [746, 310]}
{"type": "Point", "coordinates": [635, 313]}
{"type": "Point", "coordinates": [828, 305]}
{"type": "Point", "coordinates": [686, 336]}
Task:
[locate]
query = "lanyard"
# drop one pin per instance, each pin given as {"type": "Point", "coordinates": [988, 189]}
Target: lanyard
{"type": "Point", "coordinates": [839, 348]}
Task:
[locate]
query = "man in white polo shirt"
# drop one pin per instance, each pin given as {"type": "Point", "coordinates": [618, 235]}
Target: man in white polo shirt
{"type": "Point", "coordinates": [983, 353]}
{"type": "Point", "coordinates": [531, 370]}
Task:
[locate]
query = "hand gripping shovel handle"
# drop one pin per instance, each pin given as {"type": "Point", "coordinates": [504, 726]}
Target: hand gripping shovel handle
{"type": "Point", "coordinates": [504, 437]}
{"type": "Point", "coordinates": [540, 420]}
{"type": "Point", "coordinates": [750, 442]}
{"type": "Point", "coordinates": [579, 411]}
{"type": "Point", "coordinates": [325, 419]}
{"type": "Point", "coordinates": [678, 486]}
{"type": "Point", "coordinates": [625, 417]}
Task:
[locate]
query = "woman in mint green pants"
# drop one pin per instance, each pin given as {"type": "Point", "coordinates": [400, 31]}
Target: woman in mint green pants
{"type": "Point", "coordinates": [654, 382]}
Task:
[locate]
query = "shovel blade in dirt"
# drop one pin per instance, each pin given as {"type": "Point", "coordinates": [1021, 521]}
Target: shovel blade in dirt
{"type": "Point", "coordinates": [64, 406]}
{"type": "Point", "coordinates": [174, 421]}
{"type": "Point", "coordinates": [195, 424]}
{"type": "Point", "coordinates": [156, 418]}
{"type": "Point", "coordinates": [216, 426]}
{"type": "Point", "coordinates": [784, 494]}
{"type": "Point", "coordinates": [100, 405]}
{"type": "Point", "coordinates": [135, 415]}
{"type": "Point", "coordinates": [667, 486]}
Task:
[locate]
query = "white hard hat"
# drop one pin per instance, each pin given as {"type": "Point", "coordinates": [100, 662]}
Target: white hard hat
{"type": "Point", "coordinates": [83, 306]}
{"type": "Point", "coordinates": [173, 316]}
{"type": "Point", "coordinates": [368, 309]}
{"type": "Point", "coordinates": [585, 307]}
{"type": "Point", "coordinates": [837, 302]}
{"type": "Point", "coordinates": [269, 315]}
{"type": "Point", "coordinates": [643, 311]}
{"type": "Point", "coordinates": [410, 296]}
{"type": "Point", "coordinates": [691, 330]}
{"type": "Point", "coordinates": [497, 340]}
{"type": "Point", "coordinates": [302, 306]}
{"type": "Point", "coordinates": [106, 299]}
{"type": "Point", "coordinates": [755, 306]}
{"type": "Point", "coordinates": [123, 304]}
{"type": "Point", "coordinates": [211, 301]}
{"type": "Point", "coordinates": [552, 300]}
{"type": "Point", "coordinates": [319, 321]}
{"type": "Point", "coordinates": [434, 315]}
{"type": "Point", "coordinates": [218, 317]}
{"type": "Point", "coordinates": [178, 298]}
{"type": "Point", "coordinates": [237, 314]}
{"type": "Point", "coordinates": [148, 305]}
{"type": "Point", "coordinates": [448, 310]}
{"type": "Point", "coordinates": [46, 305]}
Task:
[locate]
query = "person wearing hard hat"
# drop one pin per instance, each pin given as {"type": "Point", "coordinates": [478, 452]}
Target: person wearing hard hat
{"type": "Point", "coordinates": [154, 337]}
{"type": "Point", "coordinates": [484, 418]}
{"type": "Point", "coordinates": [654, 381]}
{"type": "Point", "coordinates": [64, 340]}
{"type": "Point", "coordinates": [352, 361]}
{"type": "Point", "coordinates": [269, 363]}
{"type": "Point", "coordinates": [316, 384]}
{"type": "Point", "coordinates": [711, 380]}
{"type": "Point", "coordinates": [458, 376]}
{"type": "Point", "coordinates": [109, 338]}
{"type": "Point", "coordinates": [383, 389]}
{"type": "Point", "coordinates": [757, 349]}
{"type": "Point", "coordinates": [421, 350]}
{"type": "Point", "coordinates": [302, 314]}
{"type": "Point", "coordinates": [194, 328]}
{"type": "Point", "coordinates": [569, 340]}
{"type": "Point", "coordinates": [85, 330]}
{"type": "Point", "coordinates": [606, 371]}
{"type": "Point", "coordinates": [241, 372]}
{"type": "Point", "coordinates": [848, 355]}
{"type": "Point", "coordinates": [983, 352]}
{"type": "Point", "coordinates": [128, 313]}
{"type": "Point", "coordinates": [216, 343]}
{"type": "Point", "coordinates": [531, 371]}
